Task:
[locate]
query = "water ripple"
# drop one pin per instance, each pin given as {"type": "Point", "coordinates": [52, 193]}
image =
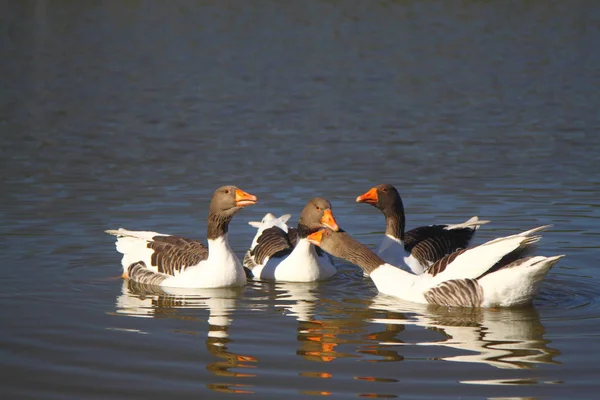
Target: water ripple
{"type": "Point", "coordinates": [568, 297]}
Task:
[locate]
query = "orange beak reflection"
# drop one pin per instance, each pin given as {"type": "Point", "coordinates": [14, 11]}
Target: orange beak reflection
{"type": "Point", "coordinates": [315, 237]}
{"type": "Point", "coordinates": [370, 197]}
{"type": "Point", "coordinates": [328, 220]}
{"type": "Point", "coordinates": [243, 199]}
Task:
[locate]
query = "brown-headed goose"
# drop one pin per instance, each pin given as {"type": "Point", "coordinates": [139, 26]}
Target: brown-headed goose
{"type": "Point", "coordinates": [173, 261]}
{"type": "Point", "coordinates": [497, 273]}
{"type": "Point", "coordinates": [418, 248]}
{"type": "Point", "coordinates": [288, 256]}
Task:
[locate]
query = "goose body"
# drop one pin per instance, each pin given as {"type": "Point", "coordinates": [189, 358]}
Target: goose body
{"type": "Point", "coordinates": [417, 249]}
{"type": "Point", "coordinates": [498, 273]}
{"type": "Point", "coordinates": [281, 254]}
{"type": "Point", "coordinates": [302, 264]}
{"type": "Point", "coordinates": [173, 261]}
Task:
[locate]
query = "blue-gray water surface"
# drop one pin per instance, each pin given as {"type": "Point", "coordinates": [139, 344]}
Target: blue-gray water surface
{"type": "Point", "coordinates": [129, 114]}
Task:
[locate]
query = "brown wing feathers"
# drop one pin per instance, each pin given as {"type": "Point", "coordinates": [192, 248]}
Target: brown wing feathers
{"type": "Point", "coordinates": [273, 242]}
{"type": "Point", "coordinates": [456, 293]}
{"type": "Point", "coordinates": [139, 273]}
{"type": "Point", "coordinates": [430, 243]}
{"type": "Point", "coordinates": [441, 264]}
{"type": "Point", "coordinates": [174, 253]}
{"type": "Point", "coordinates": [293, 235]}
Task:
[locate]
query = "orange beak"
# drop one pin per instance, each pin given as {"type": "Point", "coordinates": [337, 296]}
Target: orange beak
{"type": "Point", "coordinates": [370, 197]}
{"type": "Point", "coordinates": [328, 220]}
{"type": "Point", "coordinates": [315, 237]}
{"type": "Point", "coordinates": [243, 199]}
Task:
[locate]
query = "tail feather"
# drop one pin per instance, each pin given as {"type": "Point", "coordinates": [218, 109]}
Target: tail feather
{"type": "Point", "coordinates": [534, 230]}
{"type": "Point", "coordinates": [551, 261]}
{"type": "Point", "coordinates": [528, 241]}
{"type": "Point", "coordinates": [257, 224]}
{"type": "Point", "coordinates": [480, 260]}
{"type": "Point", "coordinates": [133, 245]}
{"type": "Point", "coordinates": [143, 235]}
{"type": "Point", "coordinates": [523, 234]}
{"type": "Point", "coordinates": [268, 221]}
{"type": "Point", "coordinates": [473, 222]}
{"type": "Point", "coordinates": [516, 257]}
{"type": "Point", "coordinates": [540, 262]}
{"type": "Point", "coordinates": [516, 283]}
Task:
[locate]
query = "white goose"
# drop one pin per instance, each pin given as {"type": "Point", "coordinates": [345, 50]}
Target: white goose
{"type": "Point", "coordinates": [417, 249]}
{"type": "Point", "coordinates": [288, 256]}
{"type": "Point", "coordinates": [494, 274]}
{"type": "Point", "coordinates": [172, 261]}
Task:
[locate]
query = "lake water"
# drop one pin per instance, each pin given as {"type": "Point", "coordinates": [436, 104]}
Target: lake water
{"type": "Point", "coordinates": [129, 114]}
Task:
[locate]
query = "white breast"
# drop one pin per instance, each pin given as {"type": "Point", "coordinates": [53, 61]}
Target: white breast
{"type": "Point", "coordinates": [221, 269]}
{"type": "Point", "coordinates": [301, 265]}
{"type": "Point", "coordinates": [392, 251]}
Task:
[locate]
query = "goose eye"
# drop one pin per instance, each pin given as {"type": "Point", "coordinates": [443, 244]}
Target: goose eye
{"type": "Point", "coordinates": [384, 190]}
{"type": "Point", "coordinates": [227, 191]}
{"type": "Point", "coordinates": [318, 208]}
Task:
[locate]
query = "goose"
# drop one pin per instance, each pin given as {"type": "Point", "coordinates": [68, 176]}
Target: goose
{"type": "Point", "coordinates": [173, 261]}
{"type": "Point", "coordinates": [288, 256]}
{"type": "Point", "coordinates": [498, 273]}
{"type": "Point", "coordinates": [417, 249]}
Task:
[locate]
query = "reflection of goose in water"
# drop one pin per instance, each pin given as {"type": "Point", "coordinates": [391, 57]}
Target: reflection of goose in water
{"type": "Point", "coordinates": [140, 300]}
{"type": "Point", "coordinates": [502, 338]}
{"type": "Point", "coordinates": [297, 299]}
{"type": "Point", "coordinates": [387, 335]}
{"type": "Point", "coordinates": [318, 338]}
